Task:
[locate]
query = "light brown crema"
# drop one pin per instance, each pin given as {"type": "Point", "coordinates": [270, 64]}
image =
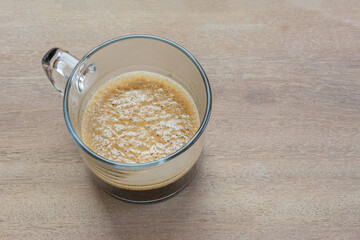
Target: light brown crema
{"type": "Point", "coordinates": [139, 117]}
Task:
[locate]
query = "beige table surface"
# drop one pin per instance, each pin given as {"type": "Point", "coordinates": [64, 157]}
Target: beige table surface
{"type": "Point", "coordinates": [281, 159]}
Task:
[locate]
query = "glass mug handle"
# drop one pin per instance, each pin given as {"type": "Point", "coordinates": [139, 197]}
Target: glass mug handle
{"type": "Point", "coordinates": [58, 65]}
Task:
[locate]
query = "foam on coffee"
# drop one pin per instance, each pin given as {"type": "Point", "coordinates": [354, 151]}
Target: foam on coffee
{"type": "Point", "coordinates": [139, 117]}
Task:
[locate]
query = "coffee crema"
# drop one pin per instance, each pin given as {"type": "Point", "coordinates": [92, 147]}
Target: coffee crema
{"type": "Point", "coordinates": [139, 117]}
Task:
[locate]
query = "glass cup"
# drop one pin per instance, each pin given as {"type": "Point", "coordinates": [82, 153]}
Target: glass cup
{"type": "Point", "coordinates": [77, 80]}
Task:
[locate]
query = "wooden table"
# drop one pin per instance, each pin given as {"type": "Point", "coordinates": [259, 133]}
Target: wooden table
{"type": "Point", "coordinates": [281, 159]}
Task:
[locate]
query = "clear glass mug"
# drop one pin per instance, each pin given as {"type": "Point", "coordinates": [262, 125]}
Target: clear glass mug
{"type": "Point", "coordinates": [77, 80]}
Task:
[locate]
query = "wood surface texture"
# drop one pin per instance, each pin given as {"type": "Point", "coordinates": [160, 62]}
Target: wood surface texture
{"type": "Point", "coordinates": [282, 154]}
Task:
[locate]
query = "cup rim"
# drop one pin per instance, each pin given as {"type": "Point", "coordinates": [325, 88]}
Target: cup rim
{"type": "Point", "coordinates": [155, 162]}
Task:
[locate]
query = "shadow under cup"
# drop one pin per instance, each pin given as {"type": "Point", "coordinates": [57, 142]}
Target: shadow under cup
{"type": "Point", "coordinates": [144, 182]}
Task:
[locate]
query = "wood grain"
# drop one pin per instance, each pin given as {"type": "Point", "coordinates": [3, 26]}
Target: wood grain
{"type": "Point", "coordinates": [282, 154]}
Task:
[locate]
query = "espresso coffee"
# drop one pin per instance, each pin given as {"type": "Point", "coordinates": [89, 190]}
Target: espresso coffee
{"type": "Point", "coordinates": [139, 117]}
